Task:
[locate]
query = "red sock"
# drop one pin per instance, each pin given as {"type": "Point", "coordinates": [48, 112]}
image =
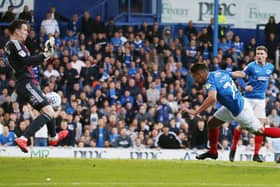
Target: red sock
{"type": "Point", "coordinates": [258, 144]}
{"type": "Point", "coordinates": [236, 136]}
{"type": "Point", "coordinates": [213, 135]}
{"type": "Point", "coordinates": [272, 132]}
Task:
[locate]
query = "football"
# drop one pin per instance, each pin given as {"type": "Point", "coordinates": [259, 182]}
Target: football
{"type": "Point", "coordinates": [54, 99]}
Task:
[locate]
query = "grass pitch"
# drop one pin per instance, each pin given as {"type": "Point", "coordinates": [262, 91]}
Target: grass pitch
{"type": "Point", "coordinates": [135, 173]}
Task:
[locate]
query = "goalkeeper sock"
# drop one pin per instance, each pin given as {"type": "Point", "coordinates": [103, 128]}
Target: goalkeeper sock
{"type": "Point", "coordinates": [36, 125]}
{"type": "Point", "coordinates": [52, 127]}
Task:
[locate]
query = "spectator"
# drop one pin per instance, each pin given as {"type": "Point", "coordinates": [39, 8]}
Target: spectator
{"type": "Point", "coordinates": [21, 127]}
{"type": "Point", "coordinates": [238, 45]}
{"type": "Point", "coordinates": [9, 16]}
{"type": "Point", "coordinates": [98, 25]}
{"type": "Point", "coordinates": [88, 73]}
{"type": "Point", "coordinates": [273, 118]}
{"type": "Point", "coordinates": [49, 25]}
{"type": "Point", "coordinates": [270, 28]}
{"type": "Point", "coordinates": [225, 145]}
{"type": "Point", "coordinates": [203, 36]}
{"type": "Point", "coordinates": [225, 134]}
{"type": "Point", "coordinates": [167, 139]}
{"type": "Point", "coordinates": [111, 28]}
{"type": "Point", "coordinates": [4, 37]}
{"type": "Point", "coordinates": [127, 98]}
{"type": "Point", "coordinates": [55, 15]}
{"type": "Point", "coordinates": [123, 141]}
{"type": "Point", "coordinates": [155, 31]}
{"type": "Point", "coordinates": [210, 29]}
{"type": "Point", "coordinates": [87, 24]}
{"type": "Point", "coordinates": [153, 94]}
{"type": "Point", "coordinates": [116, 41]}
{"type": "Point", "coordinates": [271, 44]}
{"type": "Point", "coordinates": [199, 135]}
{"type": "Point", "coordinates": [251, 46]}
{"type": "Point", "coordinates": [142, 114]}
{"type": "Point", "coordinates": [222, 21]}
{"type": "Point", "coordinates": [49, 72]}
{"type": "Point", "coordinates": [77, 64]}
{"type": "Point", "coordinates": [163, 111]}
{"type": "Point", "coordinates": [191, 52]}
{"type": "Point", "coordinates": [100, 135]}
{"type": "Point", "coordinates": [7, 138]}
{"type": "Point", "coordinates": [69, 125]}
{"type": "Point", "coordinates": [138, 144]}
{"type": "Point", "coordinates": [113, 136]}
{"type": "Point", "coordinates": [167, 36]}
{"type": "Point", "coordinates": [183, 39]}
{"type": "Point", "coordinates": [190, 30]}
{"type": "Point", "coordinates": [74, 25]}
{"type": "Point", "coordinates": [25, 14]}
{"type": "Point", "coordinates": [33, 43]}
{"type": "Point", "coordinates": [70, 77]}
{"type": "Point", "coordinates": [173, 126]}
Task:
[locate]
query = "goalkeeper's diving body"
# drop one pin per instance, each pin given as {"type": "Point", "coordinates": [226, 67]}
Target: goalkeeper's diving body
{"type": "Point", "coordinates": [27, 87]}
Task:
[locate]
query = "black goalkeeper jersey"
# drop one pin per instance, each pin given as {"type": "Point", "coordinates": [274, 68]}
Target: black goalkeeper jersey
{"type": "Point", "coordinates": [20, 61]}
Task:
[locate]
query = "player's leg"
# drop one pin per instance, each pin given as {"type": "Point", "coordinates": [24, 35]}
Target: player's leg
{"type": "Point", "coordinates": [236, 136]}
{"type": "Point", "coordinates": [219, 118]}
{"type": "Point", "coordinates": [51, 125]}
{"type": "Point", "coordinates": [248, 120]}
{"type": "Point", "coordinates": [30, 93]}
{"type": "Point", "coordinates": [34, 96]}
{"type": "Point", "coordinates": [270, 132]}
{"type": "Point", "coordinates": [258, 145]}
{"type": "Point", "coordinates": [258, 107]}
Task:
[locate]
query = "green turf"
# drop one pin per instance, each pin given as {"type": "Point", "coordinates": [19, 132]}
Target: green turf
{"type": "Point", "coordinates": [135, 173]}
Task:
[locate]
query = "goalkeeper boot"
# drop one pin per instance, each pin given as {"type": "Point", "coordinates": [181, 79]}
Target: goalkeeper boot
{"type": "Point", "coordinates": [60, 136]}
{"type": "Point", "coordinates": [22, 144]}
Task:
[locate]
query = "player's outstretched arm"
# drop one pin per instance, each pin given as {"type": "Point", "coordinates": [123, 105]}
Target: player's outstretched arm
{"type": "Point", "coordinates": [37, 59]}
{"type": "Point", "coordinates": [209, 101]}
{"type": "Point", "coordinates": [238, 74]}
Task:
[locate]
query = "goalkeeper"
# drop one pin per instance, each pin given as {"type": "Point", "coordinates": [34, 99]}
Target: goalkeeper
{"type": "Point", "coordinates": [27, 87]}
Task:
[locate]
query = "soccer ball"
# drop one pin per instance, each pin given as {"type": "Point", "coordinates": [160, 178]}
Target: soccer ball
{"type": "Point", "coordinates": [54, 99]}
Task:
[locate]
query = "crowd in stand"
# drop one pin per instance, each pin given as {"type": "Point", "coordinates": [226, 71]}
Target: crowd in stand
{"type": "Point", "coordinates": [128, 86]}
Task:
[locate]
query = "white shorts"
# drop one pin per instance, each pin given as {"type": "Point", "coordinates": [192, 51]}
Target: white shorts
{"type": "Point", "coordinates": [246, 119]}
{"type": "Point", "coordinates": [258, 106]}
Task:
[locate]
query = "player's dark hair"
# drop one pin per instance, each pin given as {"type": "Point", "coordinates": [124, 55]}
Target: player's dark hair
{"type": "Point", "coordinates": [16, 24]}
{"type": "Point", "coordinates": [199, 67]}
{"type": "Point", "coordinates": [261, 47]}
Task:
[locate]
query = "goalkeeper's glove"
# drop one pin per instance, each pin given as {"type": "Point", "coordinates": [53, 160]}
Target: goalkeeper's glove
{"type": "Point", "coordinates": [49, 48]}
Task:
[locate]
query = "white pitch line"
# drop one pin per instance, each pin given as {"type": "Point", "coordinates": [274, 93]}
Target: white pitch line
{"type": "Point", "coordinates": [132, 183]}
{"type": "Point", "coordinates": [240, 164]}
